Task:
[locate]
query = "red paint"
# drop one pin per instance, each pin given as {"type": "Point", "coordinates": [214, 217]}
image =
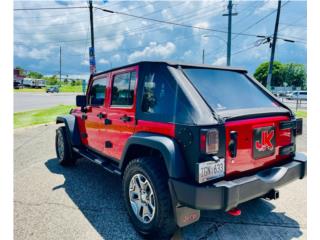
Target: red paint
{"type": "Point", "coordinates": [118, 132]}
{"type": "Point", "coordinates": [244, 160]}
{"type": "Point", "coordinates": [234, 212]}
{"type": "Point", "coordinates": [167, 129]}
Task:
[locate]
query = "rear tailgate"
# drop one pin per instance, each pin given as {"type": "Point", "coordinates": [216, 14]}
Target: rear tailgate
{"type": "Point", "coordinates": [254, 143]}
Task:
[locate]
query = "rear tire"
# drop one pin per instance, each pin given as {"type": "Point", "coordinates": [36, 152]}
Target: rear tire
{"type": "Point", "coordinates": [64, 152]}
{"type": "Point", "coordinates": [152, 216]}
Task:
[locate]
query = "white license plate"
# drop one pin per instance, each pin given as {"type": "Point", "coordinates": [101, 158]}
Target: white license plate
{"type": "Point", "coordinates": [211, 170]}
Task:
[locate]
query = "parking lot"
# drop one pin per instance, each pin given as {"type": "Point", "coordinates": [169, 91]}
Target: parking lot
{"type": "Point", "coordinates": [85, 202]}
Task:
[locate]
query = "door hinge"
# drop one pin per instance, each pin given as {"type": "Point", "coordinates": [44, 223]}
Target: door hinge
{"type": "Point", "coordinates": [84, 116]}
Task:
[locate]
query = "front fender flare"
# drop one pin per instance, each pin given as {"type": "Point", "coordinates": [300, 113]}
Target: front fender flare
{"type": "Point", "coordinates": [71, 124]}
{"type": "Point", "coordinates": [166, 146]}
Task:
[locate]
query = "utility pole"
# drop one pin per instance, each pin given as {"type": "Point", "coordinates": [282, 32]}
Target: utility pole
{"type": "Point", "coordinates": [229, 14]}
{"type": "Point", "coordinates": [202, 56]}
{"type": "Point", "coordinates": [60, 65]}
{"type": "Point", "coordinates": [273, 46]}
{"type": "Point", "coordinates": [91, 50]}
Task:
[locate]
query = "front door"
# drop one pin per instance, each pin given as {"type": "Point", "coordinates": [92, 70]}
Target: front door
{"type": "Point", "coordinates": [121, 111]}
{"type": "Point", "coordinates": [96, 111]}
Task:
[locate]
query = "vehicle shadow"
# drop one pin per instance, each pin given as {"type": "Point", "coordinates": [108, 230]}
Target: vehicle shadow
{"type": "Point", "coordinates": [98, 196]}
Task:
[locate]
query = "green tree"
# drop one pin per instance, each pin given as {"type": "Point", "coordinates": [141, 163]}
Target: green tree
{"type": "Point", "coordinates": [292, 74]}
{"type": "Point", "coordinates": [295, 75]}
{"type": "Point", "coordinates": [34, 75]}
{"type": "Point", "coordinates": [261, 73]}
{"type": "Point", "coordinates": [52, 80]}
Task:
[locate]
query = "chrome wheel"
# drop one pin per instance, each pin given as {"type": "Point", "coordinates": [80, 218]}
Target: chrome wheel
{"type": "Point", "coordinates": [142, 198]}
{"type": "Point", "coordinates": [60, 145]}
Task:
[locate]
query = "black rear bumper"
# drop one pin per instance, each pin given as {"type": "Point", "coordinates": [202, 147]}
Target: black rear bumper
{"type": "Point", "coordinates": [226, 195]}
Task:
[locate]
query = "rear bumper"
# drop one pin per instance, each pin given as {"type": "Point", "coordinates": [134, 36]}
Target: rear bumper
{"type": "Point", "coordinates": [226, 195]}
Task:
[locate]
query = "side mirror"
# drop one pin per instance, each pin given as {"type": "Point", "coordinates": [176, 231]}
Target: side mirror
{"type": "Point", "coordinates": [81, 101]}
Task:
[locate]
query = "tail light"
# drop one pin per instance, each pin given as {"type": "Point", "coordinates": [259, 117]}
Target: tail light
{"type": "Point", "coordinates": [209, 141]}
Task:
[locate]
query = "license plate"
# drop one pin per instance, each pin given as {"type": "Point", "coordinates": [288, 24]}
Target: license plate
{"type": "Point", "coordinates": [211, 170]}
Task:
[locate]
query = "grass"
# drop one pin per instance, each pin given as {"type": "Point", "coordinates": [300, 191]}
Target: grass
{"type": "Point", "coordinates": [68, 88]}
{"type": "Point", "coordinates": [41, 116]}
{"type": "Point", "coordinates": [63, 88]}
{"type": "Point", "coordinates": [301, 114]}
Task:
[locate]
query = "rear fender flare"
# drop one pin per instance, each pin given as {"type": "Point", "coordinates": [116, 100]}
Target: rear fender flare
{"type": "Point", "coordinates": [169, 149]}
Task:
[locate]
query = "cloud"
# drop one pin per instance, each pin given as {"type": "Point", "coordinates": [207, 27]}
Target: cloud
{"type": "Point", "coordinates": [221, 61]}
{"type": "Point", "coordinates": [85, 62]}
{"type": "Point", "coordinates": [268, 5]}
{"type": "Point", "coordinates": [103, 61]}
{"type": "Point", "coordinates": [32, 53]}
{"type": "Point", "coordinates": [116, 57]}
{"type": "Point", "coordinates": [109, 44]}
{"type": "Point", "coordinates": [154, 50]}
{"type": "Point", "coordinates": [200, 25]}
{"type": "Point", "coordinates": [187, 54]}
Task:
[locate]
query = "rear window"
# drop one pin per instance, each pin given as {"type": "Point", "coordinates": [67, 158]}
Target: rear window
{"type": "Point", "coordinates": [227, 90]}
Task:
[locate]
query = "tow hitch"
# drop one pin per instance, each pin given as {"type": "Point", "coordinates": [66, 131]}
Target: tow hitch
{"type": "Point", "coordinates": [272, 195]}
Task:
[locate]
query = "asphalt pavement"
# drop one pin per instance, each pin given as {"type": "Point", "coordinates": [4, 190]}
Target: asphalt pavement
{"type": "Point", "coordinates": [25, 101]}
{"type": "Point", "coordinates": [85, 202]}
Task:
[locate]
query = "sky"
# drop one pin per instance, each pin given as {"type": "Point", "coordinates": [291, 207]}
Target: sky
{"type": "Point", "coordinates": [120, 39]}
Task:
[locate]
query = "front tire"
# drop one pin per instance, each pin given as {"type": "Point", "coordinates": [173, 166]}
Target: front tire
{"type": "Point", "coordinates": [64, 152]}
{"type": "Point", "coordinates": [147, 198]}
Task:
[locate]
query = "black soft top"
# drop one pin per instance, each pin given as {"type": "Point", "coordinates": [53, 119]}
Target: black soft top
{"type": "Point", "coordinates": [177, 64]}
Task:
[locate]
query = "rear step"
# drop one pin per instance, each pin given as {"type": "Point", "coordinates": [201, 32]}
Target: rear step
{"type": "Point", "coordinates": [105, 164]}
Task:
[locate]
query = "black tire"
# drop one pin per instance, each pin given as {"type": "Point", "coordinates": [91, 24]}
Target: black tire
{"type": "Point", "coordinates": [163, 225]}
{"type": "Point", "coordinates": [64, 152]}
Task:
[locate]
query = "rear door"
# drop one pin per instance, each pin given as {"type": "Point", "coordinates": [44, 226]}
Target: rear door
{"type": "Point", "coordinates": [257, 143]}
{"type": "Point", "coordinates": [121, 111]}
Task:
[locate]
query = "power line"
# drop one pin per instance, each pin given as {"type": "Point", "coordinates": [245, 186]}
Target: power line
{"type": "Point", "coordinates": [103, 26]}
{"type": "Point", "coordinates": [261, 19]}
{"type": "Point", "coordinates": [135, 30]}
{"type": "Point", "coordinates": [173, 23]}
{"type": "Point", "coordinates": [77, 22]}
{"type": "Point", "coordinates": [47, 8]}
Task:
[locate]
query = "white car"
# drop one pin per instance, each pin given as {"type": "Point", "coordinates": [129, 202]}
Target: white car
{"type": "Point", "coordinates": [300, 95]}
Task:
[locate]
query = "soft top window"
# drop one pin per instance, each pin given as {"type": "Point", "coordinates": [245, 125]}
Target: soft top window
{"type": "Point", "coordinates": [227, 90]}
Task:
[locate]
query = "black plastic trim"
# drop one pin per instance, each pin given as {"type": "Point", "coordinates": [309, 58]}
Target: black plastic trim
{"type": "Point", "coordinates": [226, 195]}
{"type": "Point", "coordinates": [71, 124]}
{"type": "Point", "coordinates": [166, 146]}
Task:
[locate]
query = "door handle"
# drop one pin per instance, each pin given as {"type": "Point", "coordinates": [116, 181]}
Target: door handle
{"type": "Point", "coordinates": [101, 115]}
{"type": "Point", "coordinates": [233, 144]}
{"type": "Point", "coordinates": [125, 118]}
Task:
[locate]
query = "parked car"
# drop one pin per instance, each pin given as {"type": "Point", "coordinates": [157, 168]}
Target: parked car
{"type": "Point", "coordinates": [183, 138]}
{"type": "Point", "coordinates": [54, 89]}
{"type": "Point", "coordinates": [297, 95]}
{"type": "Point", "coordinates": [17, 85]}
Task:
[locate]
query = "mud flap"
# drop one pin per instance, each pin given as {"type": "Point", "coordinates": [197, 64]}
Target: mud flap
{"type": "Point", "coordinates": [184, 216]}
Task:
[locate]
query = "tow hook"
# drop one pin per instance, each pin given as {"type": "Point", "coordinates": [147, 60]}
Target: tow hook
{"type": "Point", "coordinates": [272, 195]}
{"type": "Point", "coordinates": [234, 212]}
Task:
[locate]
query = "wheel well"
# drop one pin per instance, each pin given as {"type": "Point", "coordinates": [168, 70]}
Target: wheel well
{"type": "Point", "coordinates": [136, 151]}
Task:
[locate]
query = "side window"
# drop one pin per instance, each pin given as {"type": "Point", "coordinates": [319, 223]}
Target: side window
{"type": "Point", "coordinates": [158, 94]}
{"type": "Point", "coordinates": [97, 92]}
{"type": "Point", "coordinates": [123, 89]}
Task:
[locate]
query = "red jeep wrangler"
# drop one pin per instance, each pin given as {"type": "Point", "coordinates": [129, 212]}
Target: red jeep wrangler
{"type": "Point", "coordinates": [184, 138]}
